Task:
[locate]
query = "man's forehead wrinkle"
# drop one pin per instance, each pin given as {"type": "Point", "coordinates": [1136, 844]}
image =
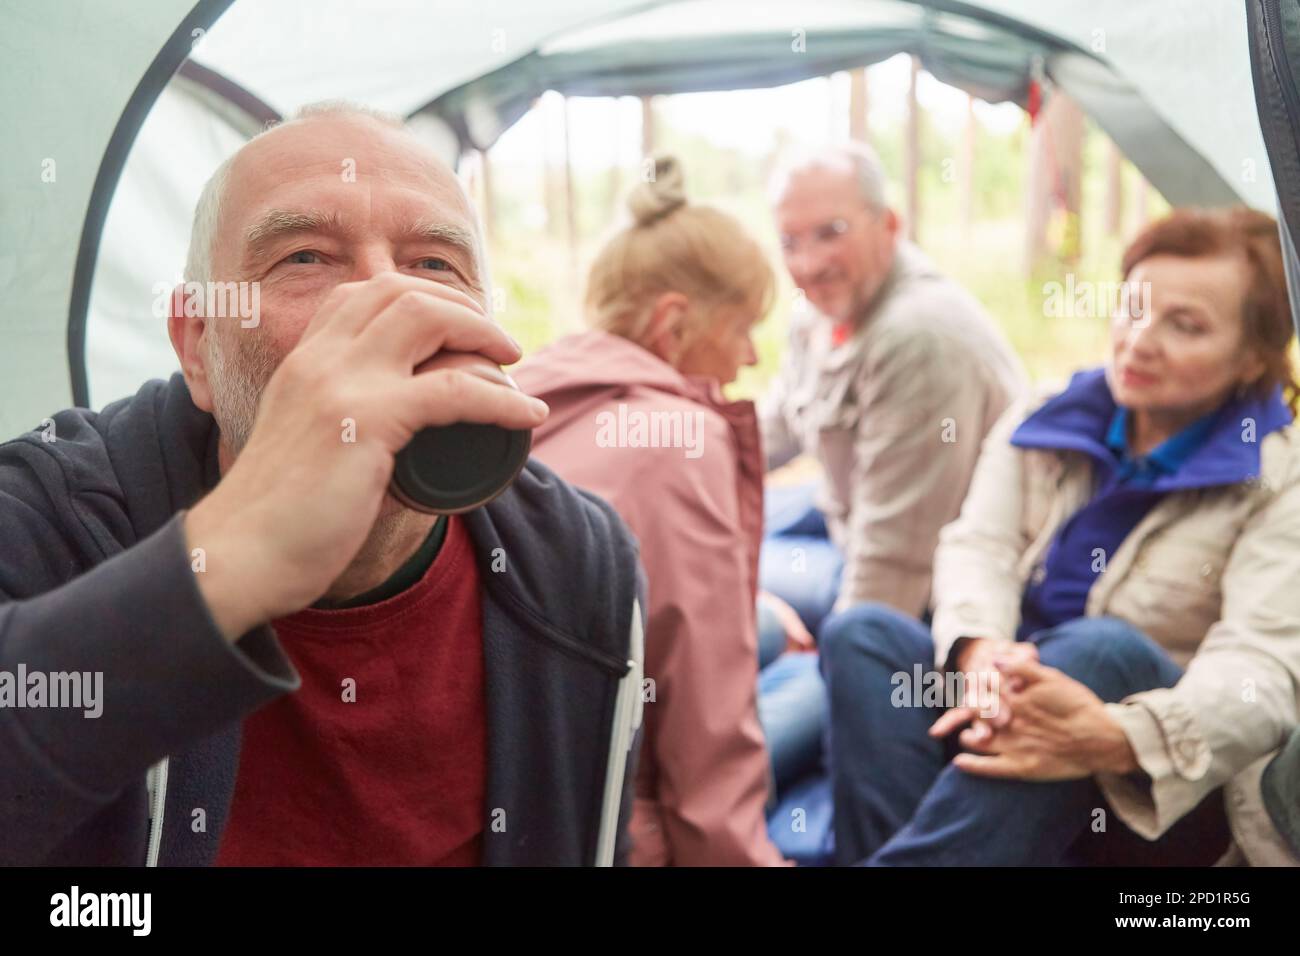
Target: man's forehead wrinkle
{"type": "Point", "coordinates": [357, 147]}
{"type": "Point", "coordinates": [373, 155]}
{"type": "Point", "coordinates": [444, 192]}
{"type": "Point", "coordinates": [365, 171]}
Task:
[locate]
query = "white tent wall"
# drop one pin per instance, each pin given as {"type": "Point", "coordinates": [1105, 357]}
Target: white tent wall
{"type": "Point", "coordinates": [395, 55]}
{"type": "Point", "coordinates": [67, 72]}
{"type": "Point", "coordinates": [145, 240]}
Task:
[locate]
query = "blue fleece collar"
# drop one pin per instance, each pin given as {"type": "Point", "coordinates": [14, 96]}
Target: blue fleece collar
{"type": "Point", "coordinates": [1166, 458]}
{"type": "Point", "coordinates": [1212, 451]}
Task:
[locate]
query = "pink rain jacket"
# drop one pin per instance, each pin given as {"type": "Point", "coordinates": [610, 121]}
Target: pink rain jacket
{"type": "Point", "coordinates": [684, 468]}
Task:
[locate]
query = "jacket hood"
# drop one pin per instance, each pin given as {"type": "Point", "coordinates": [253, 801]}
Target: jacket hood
{"type": "Point", "coordinates": [597, 361]}
{"type": "Point", "coordinates": [1078, 419]}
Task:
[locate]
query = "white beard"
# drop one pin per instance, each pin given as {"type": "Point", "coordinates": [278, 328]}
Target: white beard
{"type": "Point", "coordinates": [237, 381]}
{"type": "Point", "coordinates": [238, 370]}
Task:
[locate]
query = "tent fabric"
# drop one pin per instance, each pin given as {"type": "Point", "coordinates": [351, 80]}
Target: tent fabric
{"type": "Point", "coordinates": [668, 50]}
{"type": "Point", "coordinates": [1275, 65]}
{"type": "Point", "coordinates": [1167, 58]}
{"type": "Point", "coordinates": [1169, 80]}
{"type": "Point", "coordinates": [1181, 174]}
{"type": "Point", "coordinates": [65, 87]}
{"type": "Point", "coordinates": [395, 55]}
{"type": "Point", "coordinates": [146, 236]}
{"type": "Point", "coordinates": [1189, 61]}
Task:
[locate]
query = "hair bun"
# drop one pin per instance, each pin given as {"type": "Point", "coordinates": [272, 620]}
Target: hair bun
{"type": "Point", "coordinates": [661, 194]}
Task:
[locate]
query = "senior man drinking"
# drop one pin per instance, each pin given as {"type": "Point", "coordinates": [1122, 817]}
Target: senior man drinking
{"type": "Point", "coordinates": [299, 669]}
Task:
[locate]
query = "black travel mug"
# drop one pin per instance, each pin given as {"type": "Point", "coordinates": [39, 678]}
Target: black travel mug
{"type": "Point", "coordinates": [449, 469]}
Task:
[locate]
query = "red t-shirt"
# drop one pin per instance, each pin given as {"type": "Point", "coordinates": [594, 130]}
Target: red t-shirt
{"type": "Point", "coordinates": [380, 758]}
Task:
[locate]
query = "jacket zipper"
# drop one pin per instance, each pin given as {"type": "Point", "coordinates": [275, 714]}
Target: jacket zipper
{"type": "Point", "coordinates": [627, 718]}
{"type": "Point", "coordinates": [157, 800]}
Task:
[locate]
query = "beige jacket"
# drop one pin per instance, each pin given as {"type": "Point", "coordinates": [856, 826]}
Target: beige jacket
{"type": "Point", "coordinates": [895, 417]}
{"type": "Point", "coordinates": [1211, 575]}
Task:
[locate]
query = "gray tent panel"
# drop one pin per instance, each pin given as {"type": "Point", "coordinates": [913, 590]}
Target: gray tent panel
{"type": "Point", "coordinates": [990, 63]}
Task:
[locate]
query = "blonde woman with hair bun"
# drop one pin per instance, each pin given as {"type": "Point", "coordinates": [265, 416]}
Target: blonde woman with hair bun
{"type": "Point", "coordinates": [638, 417]}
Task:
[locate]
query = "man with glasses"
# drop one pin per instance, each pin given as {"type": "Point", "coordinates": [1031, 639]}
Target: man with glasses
{"type": "Point", "coordinates": [892, 377]}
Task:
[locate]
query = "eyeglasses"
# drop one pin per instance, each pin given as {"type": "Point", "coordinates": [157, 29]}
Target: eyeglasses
{"type": "Point", "coordinates": [827, 234]}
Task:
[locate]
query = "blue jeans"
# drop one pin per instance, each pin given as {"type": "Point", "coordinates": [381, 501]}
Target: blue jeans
{"type": "Point", "coordinates": [792, 710]}
{"type": "Point", "coordinates": [898, 801]}
{"type": "Point", "coordinates": [798, 563]}
{"type": "Point", "coordinates": [771, 635]}
{"type": "Point", "coordinates": [791, 704]}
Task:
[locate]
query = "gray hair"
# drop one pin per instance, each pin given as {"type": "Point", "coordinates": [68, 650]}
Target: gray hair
{"type": "Point", "coordinates": [207, 212]}
{"type": "Point", "coordinates": [207, 219]}
{"type": "Point", "coordinates": [859, 157]}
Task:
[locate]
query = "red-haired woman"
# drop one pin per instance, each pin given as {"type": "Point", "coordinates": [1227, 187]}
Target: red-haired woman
{"type": "Point", "coordinates": [1118, 599]}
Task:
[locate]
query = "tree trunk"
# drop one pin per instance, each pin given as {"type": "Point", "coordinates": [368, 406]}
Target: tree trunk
{"type": "Point", "coordinates": [1055, 184]}
{"type": "Point", "coordinates": [912, 156]}
{"type": "Point", "coordinates": [614, 185]}
{"type": "Point", "coordinates": [570, 202]}
{"type": "Point", "coordinates": [859, 102]}
{"type": "Point", "coordinates": [647, 126]}
{"type": "Point", "coordinates": [549, 199]}
{"type": "Point", "coordinates": [487, 206]}
{"type": "Point", "coordinates": [1140, 215]}
{"type": "Point", "coordinates": [967, 171]}
{"type": "Point", "coordinates": [1114, 191]}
